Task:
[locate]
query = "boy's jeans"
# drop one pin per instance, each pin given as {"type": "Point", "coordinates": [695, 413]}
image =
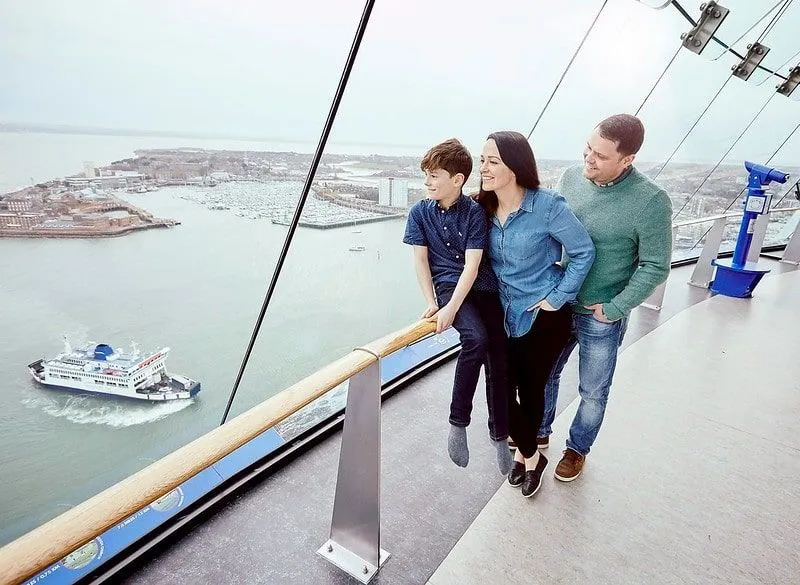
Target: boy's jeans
{"type": "Point", "coordinates": [598, 344]}
{"type": "Point", "coordinates": [479, 322]}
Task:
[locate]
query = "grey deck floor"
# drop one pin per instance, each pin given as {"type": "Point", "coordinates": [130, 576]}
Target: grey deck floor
{"type": "Point", "coordinates": [269, 533]}
{"type": "Point", "coordinates": [694, 477]}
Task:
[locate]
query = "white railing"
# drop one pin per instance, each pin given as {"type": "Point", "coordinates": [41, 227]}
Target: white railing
{"type": "Point", "coordinates": [704, 268]}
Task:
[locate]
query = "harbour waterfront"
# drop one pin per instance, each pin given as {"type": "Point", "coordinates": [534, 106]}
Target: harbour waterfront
{"type": "Point", "coordinates": [28, 158]}
{"type": "Point", "coordinates": [197, 288]}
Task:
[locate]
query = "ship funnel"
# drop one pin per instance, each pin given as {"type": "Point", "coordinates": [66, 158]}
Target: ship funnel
{"type": "Point", "coordinates": [67, 346]}
{"type": "Point", "coordinates": [134, 349]}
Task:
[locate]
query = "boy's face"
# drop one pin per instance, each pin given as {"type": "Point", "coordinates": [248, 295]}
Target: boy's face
{"type": "Point", "coordinates": [441, 186]}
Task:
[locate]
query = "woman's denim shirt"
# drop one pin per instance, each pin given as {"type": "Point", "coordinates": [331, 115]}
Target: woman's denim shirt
{"type": "Point", "coordinates": [524, 252]}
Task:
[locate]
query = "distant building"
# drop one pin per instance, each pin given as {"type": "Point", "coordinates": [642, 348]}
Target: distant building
{"type": "Point", "coordinates": [89, 170]}
{"type": "Point", "coordinates": [118, 180]}
{"type": "Point", "coordinates": [120, 221]}
{"type": "Point", "coordinates": [20, 220]}
{"type": "Point", "coordinates": [19, 205]}
{"type": "Point", "coordinates": [9, 220]}
{"type": "Point", "coordinates": [393, 193]}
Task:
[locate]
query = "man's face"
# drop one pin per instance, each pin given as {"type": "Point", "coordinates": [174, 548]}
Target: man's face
{"type": "Point", "coordinates": [601, 160]}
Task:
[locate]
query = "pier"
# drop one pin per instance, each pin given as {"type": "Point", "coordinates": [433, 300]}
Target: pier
{"type": "Point", "coordinates": [325, 223]}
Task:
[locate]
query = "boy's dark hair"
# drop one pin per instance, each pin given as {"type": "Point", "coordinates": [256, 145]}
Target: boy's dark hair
{"type": "Point", "coordinates": [450, 156]}
{"type": "Point", "coordinates": [517, 154]}
{"type": "Point", "coordinates": [626, 130]}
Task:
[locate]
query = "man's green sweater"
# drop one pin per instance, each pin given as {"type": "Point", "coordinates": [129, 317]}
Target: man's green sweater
{"type": "Point", "coordinates": [630, 223]}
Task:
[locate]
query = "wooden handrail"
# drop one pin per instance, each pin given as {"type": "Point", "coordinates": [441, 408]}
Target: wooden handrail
{"type": "Point", "coordinates": [38, 549]}
{"type": "Point", "coordinates": [399, 339]}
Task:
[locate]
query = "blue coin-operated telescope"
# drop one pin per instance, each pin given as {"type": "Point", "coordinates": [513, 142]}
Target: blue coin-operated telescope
{"type": "Point", "coordinates": [737, 277]}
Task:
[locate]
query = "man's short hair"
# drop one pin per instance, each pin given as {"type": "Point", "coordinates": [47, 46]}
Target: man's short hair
{"type": "Point", "coordinates": [626, 130]}
{"type": "Point", "coordinates": [451, 156]}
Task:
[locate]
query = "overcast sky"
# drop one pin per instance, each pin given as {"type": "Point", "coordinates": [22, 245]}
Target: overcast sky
{"type": "Point", "coordinates": [427, 70]}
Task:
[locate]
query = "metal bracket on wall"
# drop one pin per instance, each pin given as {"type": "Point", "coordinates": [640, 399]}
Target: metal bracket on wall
{"type": "Point", "coordinates": [711, 17]}
{"type": "Point", "coordinates": [755, 54]}
{"type": "Point", "coordinates": [787, 87]}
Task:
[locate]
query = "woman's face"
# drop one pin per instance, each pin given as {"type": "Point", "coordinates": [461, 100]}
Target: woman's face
{"type": "Point", "coordinates": [495, 175]}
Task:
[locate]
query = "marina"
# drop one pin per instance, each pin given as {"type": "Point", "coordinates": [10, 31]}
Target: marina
{"type": "Point", "coordinates": [276, 202]}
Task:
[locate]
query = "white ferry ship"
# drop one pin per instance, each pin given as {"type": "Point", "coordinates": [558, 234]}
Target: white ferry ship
{"type": "Point", "coordinates": [101, 369]}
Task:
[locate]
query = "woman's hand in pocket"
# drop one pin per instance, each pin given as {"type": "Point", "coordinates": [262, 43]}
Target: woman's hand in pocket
{"type": "Point", "coordinates": [543, 305]}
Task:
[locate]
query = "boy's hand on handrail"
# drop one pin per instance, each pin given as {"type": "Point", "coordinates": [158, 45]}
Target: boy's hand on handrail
{"type": "Point", "coordinates": [445, 317]}
{"type": "Point", "coordinates": [430, 311]}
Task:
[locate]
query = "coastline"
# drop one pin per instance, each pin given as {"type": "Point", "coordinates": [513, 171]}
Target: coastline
{"type": "Point", "coordinates": [89, 204]}
{"type": "Point", "coordinates": [86, 233]}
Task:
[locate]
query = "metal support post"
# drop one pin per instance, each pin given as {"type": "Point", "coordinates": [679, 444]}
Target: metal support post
{"type": "Point", "coordinates": [759, 232]}
{"type": "Point", "coordinates": [656, 298]}
{"type": "Point", "coordinates": [791, 254]}
{"type": "Point", "coordinates": [354, 543]}
{"type": "Point", "coordinates": [704, 269]}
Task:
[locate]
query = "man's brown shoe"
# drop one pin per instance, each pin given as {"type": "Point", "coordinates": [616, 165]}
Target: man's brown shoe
{"type": "Point", "coordinates": [570, 466]}
{"type": "Point", "coordinates": [542, 443]}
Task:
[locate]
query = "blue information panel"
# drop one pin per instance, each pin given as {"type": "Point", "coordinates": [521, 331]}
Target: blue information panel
{"type": "Point", "coordinates": [87, 558]}
{"type": "Point", "coordinates": [90, 556]}
{"type": "Point", "coordinates": [249, 453]}
{"type": "Point", "coordinates": [409, 357]}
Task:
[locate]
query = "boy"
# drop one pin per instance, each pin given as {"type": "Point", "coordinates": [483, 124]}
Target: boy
{"type": "Point", "coordinates": [449, 233]}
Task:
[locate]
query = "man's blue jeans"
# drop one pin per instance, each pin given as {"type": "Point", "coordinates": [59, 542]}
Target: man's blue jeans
{"type": "Point", "coordinates": [598, 344]}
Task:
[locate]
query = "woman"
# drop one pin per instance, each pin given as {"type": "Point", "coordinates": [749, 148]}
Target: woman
{"type": "Point", "coordinates": [531, 226]}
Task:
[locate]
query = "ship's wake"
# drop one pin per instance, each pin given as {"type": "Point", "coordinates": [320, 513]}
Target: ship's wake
{"type": "Point", "coordinates": [91, 410]}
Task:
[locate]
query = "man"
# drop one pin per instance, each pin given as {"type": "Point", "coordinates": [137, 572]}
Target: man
{"type": "Point", "coordinates": [629, 219]}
